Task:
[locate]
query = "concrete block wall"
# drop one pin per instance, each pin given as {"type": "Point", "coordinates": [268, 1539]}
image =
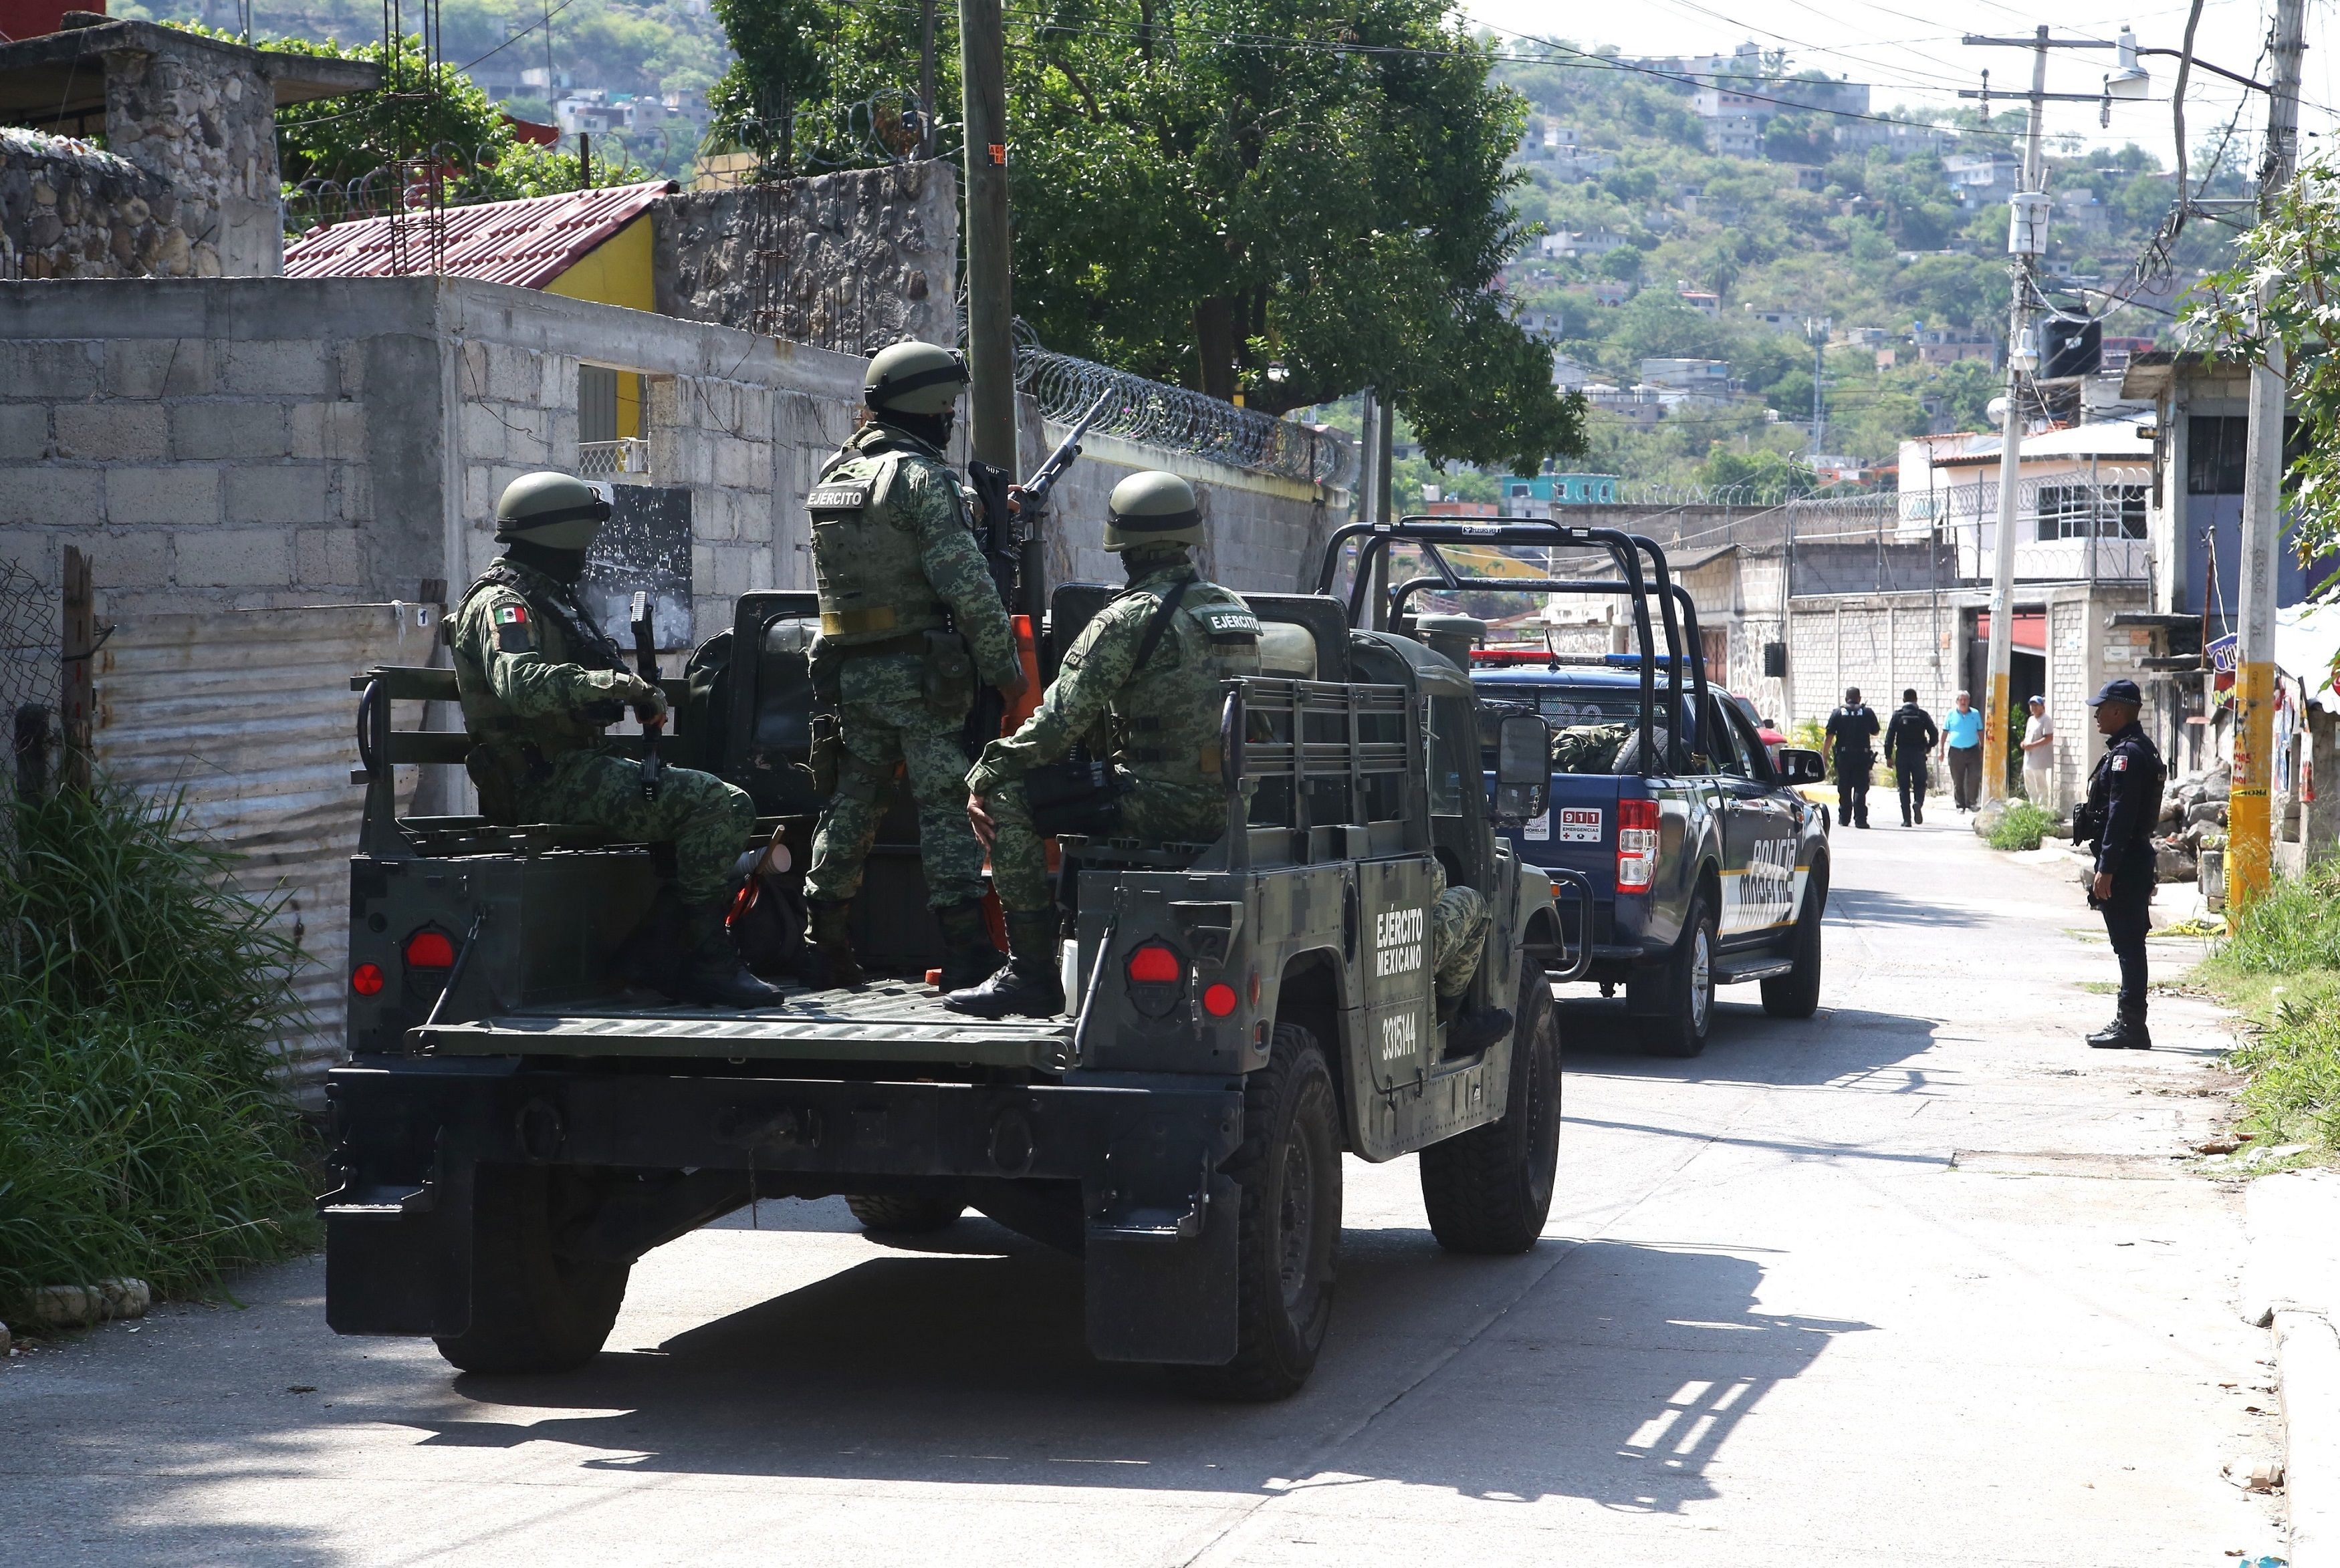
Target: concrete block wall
{"type": "Point", "coordinates": [1881, 643]}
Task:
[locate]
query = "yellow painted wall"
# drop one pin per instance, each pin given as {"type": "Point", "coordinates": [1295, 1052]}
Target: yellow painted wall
{"type": "Point", "coordinates": [617, 272]}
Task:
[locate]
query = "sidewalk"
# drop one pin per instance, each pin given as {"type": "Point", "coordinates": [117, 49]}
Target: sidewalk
{"type": "Point", "coordinates": [2291, 1285]}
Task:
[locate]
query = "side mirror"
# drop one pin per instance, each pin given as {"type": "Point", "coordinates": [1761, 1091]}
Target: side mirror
{"type": "Point", "coordinates": [1522, 769]}
{"type": "Point", "coordinates": [1798, 766]}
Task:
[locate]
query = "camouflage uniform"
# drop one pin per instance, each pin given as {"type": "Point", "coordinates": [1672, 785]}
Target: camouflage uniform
{"type": "Point", "coordinates": [1588, 748]}
{"type": "Point", "coordinates": [539, 683]}
{"type": "Point", "coordinates": [1163, 720]}
{"type": "Point", "coordinates": [1459, 918]}
{"type": "Point", "coordinates": [902, 683]}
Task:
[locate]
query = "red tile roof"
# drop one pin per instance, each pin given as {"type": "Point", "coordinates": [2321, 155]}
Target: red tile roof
{"type": "Point", "coordinates": [528, 243]}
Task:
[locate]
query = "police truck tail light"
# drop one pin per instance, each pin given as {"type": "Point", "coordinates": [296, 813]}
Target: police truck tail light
{"type": "Point", "coordinates": [429, 949]}
{"type": "Point", "coordinates": [1637, 845]}
{"type": "Point", "coordinates": [366, 979]}
{"type": "Point", "coordinates": [1153, 964]}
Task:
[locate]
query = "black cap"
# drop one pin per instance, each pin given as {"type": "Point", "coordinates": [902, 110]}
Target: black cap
{"type": "Point", "coordinates": [2119, 691]}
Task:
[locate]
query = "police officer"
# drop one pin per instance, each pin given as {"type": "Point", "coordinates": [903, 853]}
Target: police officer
{"type": "Point", "coordinates": [1149, 665]}
{"type": "Point", "coordinates": [1910, 738]}
{"type": "Point", "coordinates": [2124, 803]}
{"type": "Point", "coordinates": [909, 618]}
{"type": "Point", "coordinates": [539, 682]}
{"type": "Point", "coordinates": [1849, 730]}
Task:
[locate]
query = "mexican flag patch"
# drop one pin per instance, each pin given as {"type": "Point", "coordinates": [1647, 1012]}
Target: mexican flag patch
{"type": "Point", "coordinates": [513, 634]}
{"type": "Point", "coordinates": [512, 615]}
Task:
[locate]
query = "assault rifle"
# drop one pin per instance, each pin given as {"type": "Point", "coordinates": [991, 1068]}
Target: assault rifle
{"type": "Point", "coordinates": [1016, 561]}
{"type": "Point", "coordinates": [646, 665]}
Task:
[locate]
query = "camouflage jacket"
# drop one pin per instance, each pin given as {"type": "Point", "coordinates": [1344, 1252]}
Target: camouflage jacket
{"type": "Point", "coordinates": [917, 521]}
{"type": "Point", "coordinates": [532, 667]}
{"type": "Point", "coordinates": [1163, 719]}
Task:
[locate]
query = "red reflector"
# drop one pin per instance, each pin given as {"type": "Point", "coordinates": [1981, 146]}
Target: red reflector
{"type": "Point", "coordinates": [1153, 964]}
{"type": "Point", "coordinates": [366, 979]}
{"type": "Point", "coordinates": [1219, 1000]}
{"type": "Point", "coordinates": [429, 949]}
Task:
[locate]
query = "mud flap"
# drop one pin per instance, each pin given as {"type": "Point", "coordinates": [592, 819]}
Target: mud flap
{"type": "Point", "coordinates": [398, 1259]}
{"type": "Point", "coordinates": [1154, 1295]}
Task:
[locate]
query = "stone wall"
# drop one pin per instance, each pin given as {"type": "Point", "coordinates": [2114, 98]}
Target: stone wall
{"type": "Point", "coordinates": [69, 211]}
{"type": "Point", "coordinates": [202, 120]}
{"type": "Point", "coordinates": [860, 258]}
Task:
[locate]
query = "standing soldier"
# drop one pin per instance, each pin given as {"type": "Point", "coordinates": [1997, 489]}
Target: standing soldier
{"type": "Point", "coordinates": [905, 595]}
{"type": "Point", "coordinates": [1849, 731]}
{"type": "Point", "coordinates": [539, 682]}
{"type": "Point", "coordinates": [1150, 664]}
{"type": "Point", "coordinates": [2124, 803]}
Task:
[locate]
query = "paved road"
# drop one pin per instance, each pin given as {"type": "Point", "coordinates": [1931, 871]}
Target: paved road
{"type": "Point", "coordinates": [1916, 1282]}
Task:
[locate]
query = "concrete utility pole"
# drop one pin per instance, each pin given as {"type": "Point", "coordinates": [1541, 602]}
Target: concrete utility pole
{"type": "Point", "coordinates": [990, 293]}
{"type": "Point", "coordinates": [2250, 822]}
{"type": "Point", "coordinates": [1816, 334]}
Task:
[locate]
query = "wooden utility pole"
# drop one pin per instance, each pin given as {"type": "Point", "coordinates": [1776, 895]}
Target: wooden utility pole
{"type": "Point", "coordinates": [990, 292]}
{"type": "Point", "coordinates": [2250, 827]}
{"type": "Point", "coordinates": [80, 644]}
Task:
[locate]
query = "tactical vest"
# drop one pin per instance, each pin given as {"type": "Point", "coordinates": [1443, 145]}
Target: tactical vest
{"type": "Point", "coordinates": [565, 634]}
{"type": "Point", "coordinates": [1166, 717]}
{"type": "Point", "coordinates": [866, 558]}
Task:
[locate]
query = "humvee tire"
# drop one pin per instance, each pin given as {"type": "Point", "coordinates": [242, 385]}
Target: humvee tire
{"type": "Point", "coordinates": [1489, 1190]}
{"type": "Point", "coordinates": [1673, 1001]}
{"type": "Point", "coordinates": [1797, 993]}
{"type": "Point", "coordinates": [904, 1214]}
{"type": "Point", "coordinates": [1288, 1250]}
{"type": "Point", "coordinates": [532, 1310]}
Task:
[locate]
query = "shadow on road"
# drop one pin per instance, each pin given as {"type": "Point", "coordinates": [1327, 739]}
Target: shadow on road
{"type": "Point", "coordinates": [1746, 1045]}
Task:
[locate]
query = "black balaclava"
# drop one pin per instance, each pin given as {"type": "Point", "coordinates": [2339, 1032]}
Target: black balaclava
{"type": "Point", "coordinates": [563, 566]}
{"type": "Point", "coordinates": [935, 429]}
{"type": "Point", "coordinates": [1139, 559]}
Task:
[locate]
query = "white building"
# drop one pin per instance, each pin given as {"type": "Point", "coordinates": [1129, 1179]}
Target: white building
{"type": "Point", "coordinates": [2080, 507]}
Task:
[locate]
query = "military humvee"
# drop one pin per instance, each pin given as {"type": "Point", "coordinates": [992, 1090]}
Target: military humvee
{"type": "Point", "coordinates": [515, 1128]}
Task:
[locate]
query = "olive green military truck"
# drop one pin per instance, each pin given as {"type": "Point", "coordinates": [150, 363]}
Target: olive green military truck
{"type": "Point", "coordinates": [515, 1126]}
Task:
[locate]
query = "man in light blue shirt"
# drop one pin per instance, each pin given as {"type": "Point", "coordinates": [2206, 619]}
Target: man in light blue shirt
{"type": "Point", "coordinates": [1962, 750]}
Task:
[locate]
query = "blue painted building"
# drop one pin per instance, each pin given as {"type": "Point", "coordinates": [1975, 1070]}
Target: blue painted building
{"type": "Point", "coordinates": [1530, 496]}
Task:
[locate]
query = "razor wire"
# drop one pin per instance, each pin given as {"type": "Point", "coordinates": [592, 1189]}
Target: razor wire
{"type": "Point", "coordinates": [1180, 419]}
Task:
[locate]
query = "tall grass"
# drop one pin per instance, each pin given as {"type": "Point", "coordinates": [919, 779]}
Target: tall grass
{"type": "Point", "coordinates": [2282, 967]}
{"type": "Point", "coordinates": [2022, 828]}
{"type": "Point", "coordinates": [139, 1132]}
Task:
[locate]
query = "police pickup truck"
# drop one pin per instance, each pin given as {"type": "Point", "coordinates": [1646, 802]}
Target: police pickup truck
{"type": "Point", "coordinates": [515, 1128]}
{"type": "Point", "coordinates": [1705, 867]}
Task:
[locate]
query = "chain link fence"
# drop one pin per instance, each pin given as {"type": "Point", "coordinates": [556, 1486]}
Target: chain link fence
{"type": "Point", "coordinates": [31, 676]}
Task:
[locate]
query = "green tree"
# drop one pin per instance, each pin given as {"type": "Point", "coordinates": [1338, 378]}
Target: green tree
{"type": "Point", "coordinates": [446, 121]}
{"type": "Point", "coordinates": [780, 67]}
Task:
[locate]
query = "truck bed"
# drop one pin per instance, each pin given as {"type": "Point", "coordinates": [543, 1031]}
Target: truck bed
{"type": "Point", "coordinates": [886, 1021]}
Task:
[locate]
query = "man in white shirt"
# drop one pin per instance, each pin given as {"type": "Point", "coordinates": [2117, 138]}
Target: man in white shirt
{"type": "Point", "coordinates": [2039, 756]}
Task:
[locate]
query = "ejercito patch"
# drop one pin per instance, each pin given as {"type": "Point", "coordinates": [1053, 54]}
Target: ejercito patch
{"type": "Point", "coordinates": [836, 498]}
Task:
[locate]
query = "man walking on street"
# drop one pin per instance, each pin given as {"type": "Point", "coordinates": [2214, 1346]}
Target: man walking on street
{"type": "Point", "coordinates": [1849, 731]}
{"type": "Point", "coordinates": [1962, 748]}
{"type": "Point", "coordinates": [1910, 738]}
{"type": "Point", "coordinates": [2124, 803]}
{"type": "Point", "coordinates": [2039, 755]}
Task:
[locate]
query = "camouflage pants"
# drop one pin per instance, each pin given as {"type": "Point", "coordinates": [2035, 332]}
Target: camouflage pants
{"type": "Point", "coordinates": [1152, 813]}
{"type": "Point", "coordinates": [1459, 918]}
{"type": "Point", "coordinates": [886, 720]}
{"type": "Point", "coordinates": [706, 820]}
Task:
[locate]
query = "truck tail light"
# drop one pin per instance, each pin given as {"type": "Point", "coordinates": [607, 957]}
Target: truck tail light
{"type": "Point", "coordinates": [430, 949]}
{"type": "Point", "coordinates": [1637, 845]}
{"type": "Point", "coordinates": [1219, 1000]}
{"type": "Point", "coordinates": [367, 980]}
{"type": "Point", "coordinates": [1153, 964]}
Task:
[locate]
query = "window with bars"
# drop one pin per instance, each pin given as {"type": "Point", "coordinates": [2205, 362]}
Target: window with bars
{"type": "Point", "coordinates": [2104, 511]}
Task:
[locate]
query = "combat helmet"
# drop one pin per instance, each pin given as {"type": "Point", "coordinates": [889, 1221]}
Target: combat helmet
{"type": "Point", "coordinates": [1152, 508]}
{"type": "Point", "coordinates": [913, 377]}
{"type": "Point", "coordinates": [555, 511]}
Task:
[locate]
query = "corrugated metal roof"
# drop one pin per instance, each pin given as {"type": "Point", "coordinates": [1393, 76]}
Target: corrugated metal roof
{"type": "Point", "coordinates": [250, 714]}
{"type": "Point", "coordinates": [528, 243]}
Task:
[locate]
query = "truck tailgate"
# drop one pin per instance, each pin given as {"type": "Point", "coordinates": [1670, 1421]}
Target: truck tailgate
{"type": "Point", "coordinates": [885, 1021]}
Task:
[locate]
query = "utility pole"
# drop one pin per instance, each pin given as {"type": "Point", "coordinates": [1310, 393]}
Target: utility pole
{"type": "Point", "coordinates": [990, 293]}
{"type": "Point", "coordinates": [1816, 334]}
{"type": "Point", "coordinates": [2250, 820]}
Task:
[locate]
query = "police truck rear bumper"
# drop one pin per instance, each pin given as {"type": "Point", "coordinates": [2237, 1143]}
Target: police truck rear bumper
{"type": "Point", "coordinates": [1157, 1221]}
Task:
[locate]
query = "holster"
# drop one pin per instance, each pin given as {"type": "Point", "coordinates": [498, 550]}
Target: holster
{"type": "Point", "coordinates": [948, 675]}
{"type": "Point", "coordinates": [828, 745]}
{"type": "Point", "coordinates": [1078, 795]}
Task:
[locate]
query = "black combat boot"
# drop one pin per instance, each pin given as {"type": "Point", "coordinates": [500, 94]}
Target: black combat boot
{"type": "Point", "coordinates": [1027, 985]}
{"type": "Point", "coordinates": [712, 974]}
{"type": "Point", "coordinates": [1468, 1033]}
{"type": "Point", "coordinates": [968, 956]}
{"type": "Point", "coordinates": [829, 962]}
{"type": "Point", "coordinates": [2125, 1032]}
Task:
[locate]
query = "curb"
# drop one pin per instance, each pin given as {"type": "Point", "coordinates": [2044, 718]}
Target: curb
{"type": "Point", "coordinates": [2291, 1283]}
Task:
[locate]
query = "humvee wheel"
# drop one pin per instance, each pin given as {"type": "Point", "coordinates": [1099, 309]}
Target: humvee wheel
{"type": "Point", "coordinates": [1489, 1190]}
{"type": "Point", "coordinates": [903, 1214]}
{"type": "Point", "coordinates": [1288, 1173]}
{"type": "Point", "coordinates": [1797, 993]}
{"type": "Point", "coordinates": [533, 1310]}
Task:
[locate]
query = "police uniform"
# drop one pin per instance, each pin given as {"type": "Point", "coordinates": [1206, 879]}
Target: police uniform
{"type": "Point", "coordinates": [538, 682]}
{"type": "Point", "coordinates": [2123, 805]}
{"type": "Point", "coordinates": [1145, 674]}
{"type": "Point", "coordinates": [1910, 739]}
{"type": "Point", "coordinates": [909, 619]}
{"type": "Point", "coordinates": [1850, 729]}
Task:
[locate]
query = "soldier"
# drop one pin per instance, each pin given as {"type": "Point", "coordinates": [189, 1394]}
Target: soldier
{"type": "Point", "coordinates": [2124, 803]}
{"type": "Point", "coordinates": [1849, 730]}
{"type": "Point", "coordinates": [905, 595]}
{"type": "Point", "coordinates": [1150, 664]}
{"type": "Point", "coordinates": [539, 682]}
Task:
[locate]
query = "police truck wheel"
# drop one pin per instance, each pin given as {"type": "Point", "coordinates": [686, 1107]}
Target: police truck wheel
{"type": "Point", "coordinates": [1675, 999]}
{"type": "Point", "coordinates": [533, 1310]}
{"type": "Point", "coordinates": [1797, 993]}
{"type": "Point", "coordinates": [1288, 1248]}
{"type": "Point", "coordinates": [1488, 1191]}
{"type": "Point", "coordinates": [905, 1214]}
